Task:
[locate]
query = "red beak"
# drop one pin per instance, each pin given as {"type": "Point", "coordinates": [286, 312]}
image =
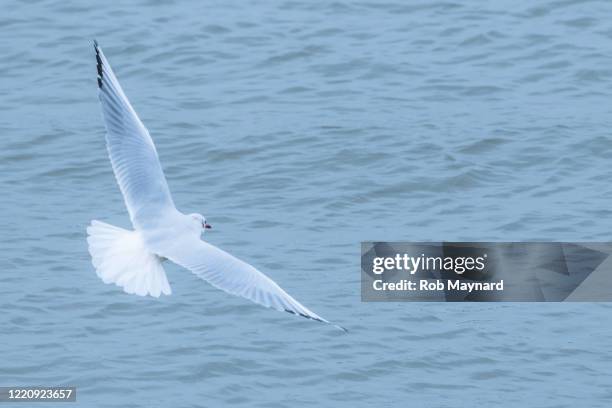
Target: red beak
{"type": "Point", "coordinates": [207, 225]}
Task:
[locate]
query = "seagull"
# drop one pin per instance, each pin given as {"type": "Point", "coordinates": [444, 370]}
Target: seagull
{"type": "Point", "coordinates": [132, 259]}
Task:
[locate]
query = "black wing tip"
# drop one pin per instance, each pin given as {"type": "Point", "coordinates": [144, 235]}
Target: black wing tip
{"type": "Point", "coordinates": [344, 329]}
{"type": "Point", "coordinates": [316, 319]}
{"type": "Point", "coordinates": [98, 64]}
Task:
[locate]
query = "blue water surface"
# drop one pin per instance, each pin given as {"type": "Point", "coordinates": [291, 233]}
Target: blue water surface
{"type": "Point", "coordinates": [301, 128]}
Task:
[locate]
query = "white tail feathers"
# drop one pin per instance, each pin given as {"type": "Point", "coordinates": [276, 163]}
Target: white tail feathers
{"type": "Point", "coordinates": [120, 257]}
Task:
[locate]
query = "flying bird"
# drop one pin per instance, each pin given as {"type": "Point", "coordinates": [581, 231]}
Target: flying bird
{"type": "Point", "coordinates": [132, 259]}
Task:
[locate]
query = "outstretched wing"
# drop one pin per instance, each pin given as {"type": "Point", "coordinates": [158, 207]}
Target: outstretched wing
{"type": "Point", "coordinates": [233, 276]}
{"type": "Point", "coordinates": [131, 150]}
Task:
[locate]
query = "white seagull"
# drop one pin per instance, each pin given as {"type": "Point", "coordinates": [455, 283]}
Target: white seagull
{"type": "Point", "coordinates": [133, 259]}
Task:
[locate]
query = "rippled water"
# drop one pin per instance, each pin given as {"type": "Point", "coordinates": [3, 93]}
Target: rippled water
{"type": "Point", "coordinates": [300, 128]}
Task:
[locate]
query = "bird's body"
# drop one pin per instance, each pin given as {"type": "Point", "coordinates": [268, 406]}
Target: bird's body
{"type": "Point", "coordinates": [133, 259]}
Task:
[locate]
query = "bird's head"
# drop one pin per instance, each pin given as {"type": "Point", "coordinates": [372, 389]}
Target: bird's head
{"type": "Point", "coordinates": [201, 221]}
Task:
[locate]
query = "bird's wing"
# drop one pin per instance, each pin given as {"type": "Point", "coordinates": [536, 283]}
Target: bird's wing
{"type": "Point", "coordinates": [131, 150]}
{"type": "Point", "coordinates": [232, 275]}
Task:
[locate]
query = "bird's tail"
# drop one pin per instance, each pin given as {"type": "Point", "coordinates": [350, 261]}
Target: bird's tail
{"type": "Point", "coordinates": [120, 257]}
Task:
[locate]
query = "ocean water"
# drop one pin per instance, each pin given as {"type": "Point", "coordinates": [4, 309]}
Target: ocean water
{"type": "Point", "coordinates": [301, 128]}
